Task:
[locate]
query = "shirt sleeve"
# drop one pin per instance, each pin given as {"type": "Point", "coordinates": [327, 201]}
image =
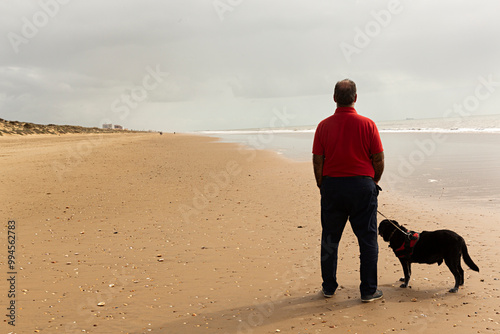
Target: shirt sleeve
{"type": "Point", "coordinates": [376, 144]}
{"type": "Point", "coordinates": [318, 148]}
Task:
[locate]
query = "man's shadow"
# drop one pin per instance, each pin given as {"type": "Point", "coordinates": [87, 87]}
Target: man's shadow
{"type": "Point", "coordinates": [248, 318]}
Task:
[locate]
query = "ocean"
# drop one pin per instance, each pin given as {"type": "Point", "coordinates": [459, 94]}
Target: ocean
{"type": "Point", "coordinates": [454, 159]}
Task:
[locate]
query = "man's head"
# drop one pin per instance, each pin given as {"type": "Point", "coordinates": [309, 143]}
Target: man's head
{"type": "Point", "coordinates": [345, 93]}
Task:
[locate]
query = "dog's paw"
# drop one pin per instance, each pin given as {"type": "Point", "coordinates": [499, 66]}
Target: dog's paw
{"type": "Point", "coordinates": [402, 279]}
{"type": "Point", "coordinates": [454, 290]}
{"type": "Point", "coordinates": [404, 285]}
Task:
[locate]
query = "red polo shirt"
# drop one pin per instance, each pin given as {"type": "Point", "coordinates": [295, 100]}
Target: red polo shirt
{"type": "Point", "coordinates": [347, 140]}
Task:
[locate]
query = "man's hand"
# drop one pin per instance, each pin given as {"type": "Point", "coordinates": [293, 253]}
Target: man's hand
{"type": "Point", "coordinates": [318, 161]}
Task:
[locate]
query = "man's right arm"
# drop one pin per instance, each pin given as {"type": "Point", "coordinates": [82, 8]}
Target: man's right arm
{"type": "Point", "coordinates": [318, 161]}
{"type": "Point", "coordinates": [378, 165]}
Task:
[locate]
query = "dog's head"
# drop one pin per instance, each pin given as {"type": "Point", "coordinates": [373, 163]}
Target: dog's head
{"type": "Point", "coordinates": [386, 228]}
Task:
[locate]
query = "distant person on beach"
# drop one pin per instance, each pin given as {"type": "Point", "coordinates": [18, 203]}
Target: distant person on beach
{"type": "Point", "coordinates": [348, 161]}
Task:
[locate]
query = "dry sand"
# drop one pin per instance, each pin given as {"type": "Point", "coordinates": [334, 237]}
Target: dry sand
{"type": "Point", "coordinates": [142, 233]}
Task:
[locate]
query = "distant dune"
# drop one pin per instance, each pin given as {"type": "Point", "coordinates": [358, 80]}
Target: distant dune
{"type": "Point", "coordinates": [24, 128]}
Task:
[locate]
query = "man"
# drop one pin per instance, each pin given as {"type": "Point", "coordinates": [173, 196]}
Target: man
{"type": "Point", "coordinates": [348, 160]}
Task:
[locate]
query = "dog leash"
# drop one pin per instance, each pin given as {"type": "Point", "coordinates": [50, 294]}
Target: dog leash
{"type": "Point", "coordinates": [408, 234]}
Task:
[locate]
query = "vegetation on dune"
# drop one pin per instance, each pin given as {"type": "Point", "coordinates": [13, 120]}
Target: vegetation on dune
{"type": "Point", "coordinates": [24, 128]}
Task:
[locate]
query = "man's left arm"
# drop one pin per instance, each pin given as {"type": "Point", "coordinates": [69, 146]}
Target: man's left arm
{"type": "Point", "coordinates": [378, 165]}
{"type": "Point", "coordinates": [318, 161]}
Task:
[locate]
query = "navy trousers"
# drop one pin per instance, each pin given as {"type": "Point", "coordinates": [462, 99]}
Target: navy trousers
{"type": "Point", "coordinates": [353, 198]}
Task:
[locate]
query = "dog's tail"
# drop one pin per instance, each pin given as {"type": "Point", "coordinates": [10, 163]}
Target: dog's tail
{"type": "Point", "coordinates": [467, 259]}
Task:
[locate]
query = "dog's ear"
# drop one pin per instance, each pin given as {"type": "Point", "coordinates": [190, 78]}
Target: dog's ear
{"type": "Point", "coordinates": [385, 231]}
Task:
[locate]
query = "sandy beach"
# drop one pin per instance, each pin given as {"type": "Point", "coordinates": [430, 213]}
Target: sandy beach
{"type": "Point", "coordinates": [148, 233]}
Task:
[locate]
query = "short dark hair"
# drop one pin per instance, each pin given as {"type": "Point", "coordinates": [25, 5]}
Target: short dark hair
{"type": "Point", "coordinates": [345, 92]}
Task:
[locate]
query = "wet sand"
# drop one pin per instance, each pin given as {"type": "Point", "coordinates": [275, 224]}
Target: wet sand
{"type": "Point", "coordinates": [142, 233]}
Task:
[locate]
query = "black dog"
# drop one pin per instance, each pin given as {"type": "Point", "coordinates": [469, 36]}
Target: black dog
{"type": "Point", "coordinates": [427, 247]}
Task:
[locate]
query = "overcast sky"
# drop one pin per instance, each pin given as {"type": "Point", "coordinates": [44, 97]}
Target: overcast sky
{"type": "Point", "coordinates": [186, 65]}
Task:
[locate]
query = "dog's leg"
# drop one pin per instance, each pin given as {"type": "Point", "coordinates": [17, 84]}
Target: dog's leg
{"type": "Point", "coordinates": [453, 266]}
{"type": "Point", "coordinates": [461, 272]}
{"type": "Point", "coordinates": [407, 271]}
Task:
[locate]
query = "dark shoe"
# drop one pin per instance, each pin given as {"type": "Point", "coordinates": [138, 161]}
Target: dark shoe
{"type": "Point", "coordinates": [369, 298]}
{"type": "Point", "coordinates": [327, 294]}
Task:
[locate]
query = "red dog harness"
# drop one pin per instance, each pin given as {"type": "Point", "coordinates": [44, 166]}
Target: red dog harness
{"type": "Point", "coordinates": [406, 249]}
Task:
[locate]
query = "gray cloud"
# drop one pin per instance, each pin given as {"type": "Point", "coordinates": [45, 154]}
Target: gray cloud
{"type": "Point", "coordinates": [70, 61]}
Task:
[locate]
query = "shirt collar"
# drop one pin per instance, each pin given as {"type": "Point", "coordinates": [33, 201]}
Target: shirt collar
{"type": "Point", "coordinates": [345, 109]}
